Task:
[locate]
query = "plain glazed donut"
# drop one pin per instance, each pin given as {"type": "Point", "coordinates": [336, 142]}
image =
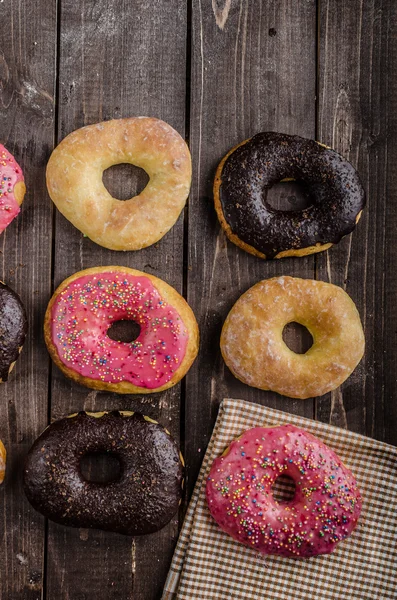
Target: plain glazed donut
{"type": "Point", "coordinates": [13, 329]}
{"type": "Point", "coordinates": [142, 499]}
{"type": "Point", "coordinates": [239, 491]}
{"type": "Point", "coordinates": [250, 169]}
{"type": "Point", "coordinates": [12, 188]}
{"type": "Point", "coordinates": [252, 337]}
{"type": "Point", "coordinates": [84, 307]}
{"type": "Point", "coordinates": [3, 455]}
{"type": "Point", "coordinates": [74, 181]}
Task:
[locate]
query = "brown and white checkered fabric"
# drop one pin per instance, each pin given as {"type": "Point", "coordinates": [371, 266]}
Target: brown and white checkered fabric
{"type": "Point", "coordinates": [210, 565]}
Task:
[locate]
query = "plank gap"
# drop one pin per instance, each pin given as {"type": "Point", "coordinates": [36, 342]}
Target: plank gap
{"type": "Point", "coordinates": [317, 60]}
{"type": "Point", "coordinates": [52, 261]}
{"type": "Point", "coordinates": [316, 133]}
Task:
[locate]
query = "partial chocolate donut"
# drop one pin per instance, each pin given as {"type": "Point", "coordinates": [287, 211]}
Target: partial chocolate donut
{"type": "Point", "coordinates": [13, 328]}
{"type": "Point", "coordinates": [254, 166]}
{"type": "Point", "coordinates": [141, 500]}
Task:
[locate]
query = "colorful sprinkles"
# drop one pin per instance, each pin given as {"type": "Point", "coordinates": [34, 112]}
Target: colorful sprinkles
{"type": "Point", "coordinates": [87, 307]}
{"type": "Point", "coordinates": [10, 174]}
{"type": "Point", "coordinates": [325, 507]}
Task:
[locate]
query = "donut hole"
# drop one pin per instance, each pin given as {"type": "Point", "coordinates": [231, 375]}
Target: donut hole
{"type": "Point", "coordinates": [288, 196]}
{"type": "Point", "coordinates": [124, 331]}
{"type": "Point", "coordinates": [284, 489]}
{"type": "Point", "coordinates": [124, 181]}
{"type": "Point", "coordinates": [297, 337]}
{"type": "Point", "coordinates": [100, 467]}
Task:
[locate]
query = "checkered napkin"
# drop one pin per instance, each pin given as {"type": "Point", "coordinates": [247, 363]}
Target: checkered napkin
{"type": "Point", "coordinates": [210, 565]}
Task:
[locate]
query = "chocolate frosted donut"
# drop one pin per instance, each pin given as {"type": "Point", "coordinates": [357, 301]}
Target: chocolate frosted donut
{"type": "Point", "coordinates": [143, 498]}
{"type": "Point", "coordinates": [13, 328]}
{"type": "Point", "coordinates": [250, 169]}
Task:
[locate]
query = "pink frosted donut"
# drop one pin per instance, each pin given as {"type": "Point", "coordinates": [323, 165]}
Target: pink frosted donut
{"type": "Point", "coordinates": [84, 307]}
{"type": "Point", "coordinates": [324, 510]}
{"type": "Point", "coordinates": [12, 188]}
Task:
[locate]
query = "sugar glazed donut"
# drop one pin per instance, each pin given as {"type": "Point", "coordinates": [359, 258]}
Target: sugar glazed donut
{"type": "Point", "coordinates": [250, 169]}
{"type": "Point", "coordinates": [3, 455]}
{"type": "Point", "coordinates": [143, 498]}
{"type": "Point", "coordinates": [12, 188]}
{"type": "Point", "coordinates": [252, 337]}
{"type": "Point", "coordinates": [74, 181]}
{"type": "Point", "coordinates": [13, 329]}
{"type": "Point", "coordinates": [86, 304]}
{"type": "Point", "coordinates": [239, 491]}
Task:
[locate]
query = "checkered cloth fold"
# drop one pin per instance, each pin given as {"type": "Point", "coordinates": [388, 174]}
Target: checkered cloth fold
{"type": "Point", "coordinates": [210, 565]}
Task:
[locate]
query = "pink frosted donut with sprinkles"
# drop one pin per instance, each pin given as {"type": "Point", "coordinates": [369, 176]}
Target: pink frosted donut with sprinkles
{"type": "Point", "coordinates": [87, 304]}
{"type": "Point", "coordinates": [240, 493]}
{"type": "Point", "coordinates": [12, 188]}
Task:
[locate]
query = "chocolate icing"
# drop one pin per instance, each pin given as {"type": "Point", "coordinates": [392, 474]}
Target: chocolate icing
{"type": "Point", "coordinates": [142, 500]}
{"type": "Point", "coordinates": [253, 168]}
{"type": "Point", "coordinates": [13, 328]}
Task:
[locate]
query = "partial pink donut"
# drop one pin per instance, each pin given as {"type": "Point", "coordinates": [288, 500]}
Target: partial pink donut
{"type": "Point", "coordinates": [12, 188]}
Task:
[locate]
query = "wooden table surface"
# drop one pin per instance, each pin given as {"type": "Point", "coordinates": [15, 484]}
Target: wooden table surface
{"type": "Point", "coordinates": [218, 71]}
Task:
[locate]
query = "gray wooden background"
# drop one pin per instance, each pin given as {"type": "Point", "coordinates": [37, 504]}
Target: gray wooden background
{"type": "Point", "coordinates": [218, 71]}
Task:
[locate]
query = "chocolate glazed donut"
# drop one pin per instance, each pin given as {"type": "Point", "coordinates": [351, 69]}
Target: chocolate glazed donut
{"type": "Point", "coordinates": [142, 500]}
{"type": "Point", "coordinates": [13, 328]}
{"type": "Point", "coordinates": [250, 169]}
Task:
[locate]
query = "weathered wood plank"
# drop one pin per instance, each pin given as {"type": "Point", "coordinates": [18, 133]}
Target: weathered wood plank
{"type": "Point", "coordinates": [117, 61]}
{"type": "Point", "coordinates": [27, 71]}
{"type": "Point", "coordinates": [253, 69]}
{"type": "Point", "coordinates": [357, 101]}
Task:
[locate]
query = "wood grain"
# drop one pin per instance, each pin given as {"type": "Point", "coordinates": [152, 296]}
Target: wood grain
{"type": "Point", "coordinates": [116, 62]}
{"type": "Point", "coordinates": [356, 103]}
{"type": "Point", "coordinates": [256, 73]}
{"type": "Point", "coordinates": [27, 72]}
{"type": "Point", "coordinates": [321, 69]}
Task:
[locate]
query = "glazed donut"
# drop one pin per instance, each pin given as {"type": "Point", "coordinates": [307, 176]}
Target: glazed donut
{"type": "Point", "coordinates": [143, 498]}
{"type": "Point", "coordinates": [74, 181]}
{"type": "Point", "coordinates": [12, 188]}
{"type": "Point", "coordinates": [252, 337]}
{"type": "Point", "coordinates": [3, 455]}
{"type": "Point", "coordinates": [250, 169]}
{"type": "Point", "coordinates": [239, 491]}
{"type": "Point", "coordinates": [13, 328]}
{"type": "Point", "coordinates": [86, 304]}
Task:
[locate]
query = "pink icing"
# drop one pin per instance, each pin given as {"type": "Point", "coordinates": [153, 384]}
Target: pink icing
{"type": "Point", "coordinates": [10, 174]}
{"type": "Point", "coordinates": [83, 313]}
{"type": "Point", "coordinates": [325, 507]}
